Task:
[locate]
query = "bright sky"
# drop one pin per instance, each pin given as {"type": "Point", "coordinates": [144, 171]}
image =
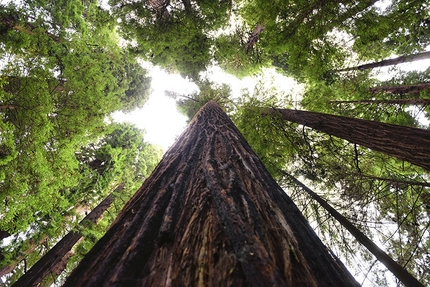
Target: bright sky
{"type": "Point", "coordinates": [159, 117]}
{"type": "Point", "coordinates": [163, 123]}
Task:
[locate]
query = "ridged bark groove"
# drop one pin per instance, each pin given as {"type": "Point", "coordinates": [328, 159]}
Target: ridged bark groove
{"type": "Point", "coordinates": [210, 215]}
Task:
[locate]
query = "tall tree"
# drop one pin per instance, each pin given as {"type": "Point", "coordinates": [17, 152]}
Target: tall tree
{"type": "Point", "coordinates": [387, 102]}
{"type": "Point", "coordinates": [410, 144]}
{"type": "Point", "coordinates": [56, 259]}
{"type": "Point", "coordinates": [211, 215]}
{"type": "Point", "coordinates": [401, 273]}
{"type": "Point", "coordinates": [122, 156]}
{"type": "Point", "coordinates": [413, 89]}
{"type": "Point", "coordinates": [389, 62]}
{"type": "Point", "coordinates": [65, 74]}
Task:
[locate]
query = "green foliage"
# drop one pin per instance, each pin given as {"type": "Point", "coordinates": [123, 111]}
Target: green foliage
{"type": "Point", "coordinates": [63, 73]}
{"type": "Point", "coordinates": [170, 34]}
{"type": "Point", "coordinates": [233, 57]}
{"type": "Point", "coordinates": [402, 29]}
{"type": "Point", "coordinates": [189, 105]}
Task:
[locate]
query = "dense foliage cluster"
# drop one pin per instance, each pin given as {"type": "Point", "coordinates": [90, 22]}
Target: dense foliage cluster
{"type": "Point", "coordinates": [65, 66]}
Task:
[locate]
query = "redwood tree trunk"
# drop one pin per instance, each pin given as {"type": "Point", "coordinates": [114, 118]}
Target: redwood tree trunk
{"type": "Point", "coordinates": [406, 143]}
{"type": "Point", "coordinates": [55, 260]}
{"type": "Point", "coordinates": [210, 215]}
{"type": "Point", "coordinates": [404, 276]}
{"type": "Point", "coordinates": [389, 62]}
{"type": "Point", "coordinates": [402, 89]}
{"type": "Point", "coordinates": [388, 102]}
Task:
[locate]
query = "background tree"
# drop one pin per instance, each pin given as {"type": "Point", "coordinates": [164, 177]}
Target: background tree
{"type": "Point", "coordinates": [120, 157]}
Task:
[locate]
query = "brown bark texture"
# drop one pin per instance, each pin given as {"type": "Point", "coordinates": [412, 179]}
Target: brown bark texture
{"type": "Point", "coordinates": [387, 102]}
{"type": "Point", "coordinates": [406, 143]}
{"type": "Point", "coordinates": [389, 62]}
{"type": "Point", "coordinates": [402, 89]}
{"type": "Point", "coordinates": [210, 215]}
{"type": "Point", "coordinates": [401, 273]}
{"type": "Point", "coordinates": [55, 260]}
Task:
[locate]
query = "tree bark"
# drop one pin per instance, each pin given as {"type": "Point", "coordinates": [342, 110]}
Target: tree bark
{"type": "Point", "coordinates": [56, 259]}
{"type": "Point", "coordinates": [210, 215]}
{"type": "Point", "coordinates": [253, 38]}
{"type": "Point", "coordinates": [406, 143]}
{"type": "Point", "coordinates": [387, 102]}
{"type": "Point", "coordinates": [7, 107]}
{"type": "Point", "coordinates": [389, 62]}
{"type": "Point", "coordinates": [4, 234]}
{"type": "Point", "coordinates": [402, 89]}
{"type": "Point", "coordinates": [404, 276]}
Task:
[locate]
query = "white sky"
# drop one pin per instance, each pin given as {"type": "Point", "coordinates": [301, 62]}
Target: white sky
{"type": "Point", "coordinates": [163, 123]}
{"type": "Point", "coordinates": [159, 117]}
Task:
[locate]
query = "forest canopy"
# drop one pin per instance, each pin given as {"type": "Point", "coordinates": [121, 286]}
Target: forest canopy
{"type": "Point", "coordinates": [66, 66]}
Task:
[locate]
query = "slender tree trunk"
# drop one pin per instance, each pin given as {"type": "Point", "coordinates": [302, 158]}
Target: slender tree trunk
{"type": "Point", "coordinates": [389, 62]}
{"type": "Point", "coordinates": [402, 89]}
{"type": "Point", "coordinates": [56, 259]}
{"type": "Point", "coordinates": [388, 102]}
{"type": "Point", "coordinates": [210, 215]}
{"type": "Point", "coordinates": [404, 276]}
{"type": "Point", "coordinates": [393, 181]}
{"type": "Point", "coordinates": [7, 107]}
{"type": "Point", "coordinates": [406, 143]}
{"type": "Point", "coordinates": [32, 245]}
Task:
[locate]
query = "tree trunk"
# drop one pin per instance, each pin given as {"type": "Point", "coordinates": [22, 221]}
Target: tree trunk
{"type": "Point", "coordinates": [56, 259]}
{"type": "Point", "coordinates": [387, 102]}
{"type": "Point", "coordinates": [32, 243]}
{"type": "Point", "coordinates": [7, 107]}
{"type": "Point", "coordinates": [210, 215]}
{"type": "Point", "coordinates": [393, 181]}
{"type": "Point", "coordinates": [389, 62]}
{"type": "Point", "coordinates": [402, 89]}
{"type": "Point", "coordinates": [404, 276]}
{"type": "Point", "coordinates": [406, 143]}
{"type": "Point", "coordinates": [253, 38]}
{"type": "Point", "coordinates": [4, 234]}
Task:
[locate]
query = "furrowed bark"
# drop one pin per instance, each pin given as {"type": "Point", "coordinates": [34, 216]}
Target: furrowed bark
{"type": "Point", "coordinates": [401, 273]}
{"type": "Point", "coordinates": [210, 215]}
{"type": "Point", "coordinates": [406, 143]}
